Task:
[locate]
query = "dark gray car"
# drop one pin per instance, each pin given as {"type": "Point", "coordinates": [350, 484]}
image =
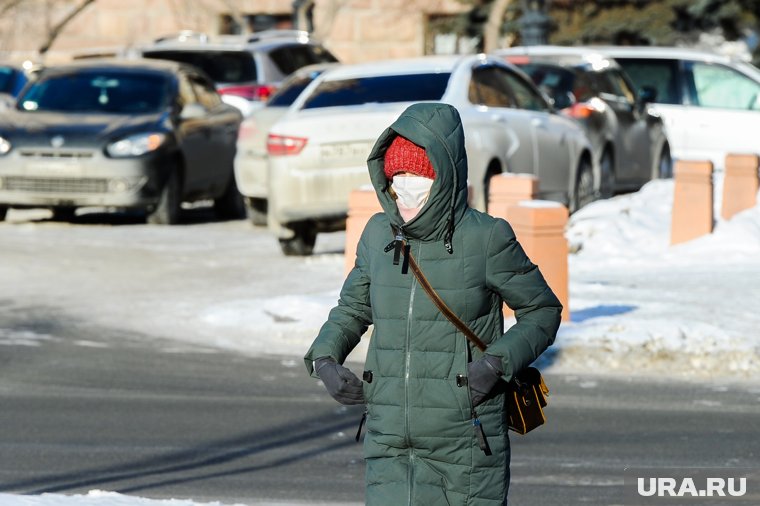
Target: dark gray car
{"type": "Point", "coordinates": [145, 134]}
{"type": "Point", "coordinates": [629, 139]}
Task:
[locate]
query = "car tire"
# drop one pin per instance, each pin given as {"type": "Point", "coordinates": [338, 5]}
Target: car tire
{"type": "Point", "coordinates": [63, 213]}
{"type": "Point", "coordinates": [494, 169]}
{"type": "Point", "coordinates": [607, 175]}
{"type": "Point", "coordinates": [3, 213]}
{"type": "Point", "coordinates": [230, 206]}
{"type": "Point", "coordinates": [584, 192]}
{"type": "Point", "coordinates": [257, 211]}
{"type": "Point", "coordinates": [302, 243]}
{"type": "Point", "coordinates": [169, 207]}
{"type": "Point", "coordinates": [664, 167]}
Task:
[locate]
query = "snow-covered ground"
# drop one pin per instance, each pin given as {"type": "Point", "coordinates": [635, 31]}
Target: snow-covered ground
{"type": "Point", "coordinates": [638, 305]}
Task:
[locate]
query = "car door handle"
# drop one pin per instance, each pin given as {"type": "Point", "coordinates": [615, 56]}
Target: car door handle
{"type": "Point", "coordinates": [538, 123]}
{"type": "Point", "coordinates": [498, 118]}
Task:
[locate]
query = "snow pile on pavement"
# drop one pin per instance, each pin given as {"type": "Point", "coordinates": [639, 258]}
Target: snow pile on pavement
{"type": "Point", "coordinates": [641, 305]}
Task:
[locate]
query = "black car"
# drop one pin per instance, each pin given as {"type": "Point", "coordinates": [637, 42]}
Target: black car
{"type": "Point", "coordinates": [143, 134]}
{"type": "Point", "coordinates": [627, 136]}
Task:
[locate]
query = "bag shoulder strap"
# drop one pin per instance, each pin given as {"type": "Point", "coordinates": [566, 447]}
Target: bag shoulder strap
{"type": "Point", "coordinates": [440, 304]}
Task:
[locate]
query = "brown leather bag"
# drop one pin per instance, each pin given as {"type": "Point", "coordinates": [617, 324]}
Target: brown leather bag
{"type": "Point", "coordinates": [526, 392]}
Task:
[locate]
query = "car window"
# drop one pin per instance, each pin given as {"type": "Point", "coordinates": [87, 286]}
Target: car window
{"type": "Point", "coordinates": [290, 58]}
{"type": "Point", "coordinates": [553, 80]}
{"type": "Point", "coordinates": [526, 96]}
{"type": "Point", "coordinates": [98, 92]}
{"type": "Point", "coordinates": [7, 79]}
{"type": "Point", "coordinates": [720, 86]}
{"type": "Point", "coordinates": [488, 87]}
{"type": "Point", "coordinates": [615, 84]}
{"type": "Point", "coordinates": [220, 66]}
{"type": "Point", "coordinates": [378, 89]}
{"type": "Point", "coordinates": [662, 75]}
{"type": "Point", "coordinates": [204, 90]}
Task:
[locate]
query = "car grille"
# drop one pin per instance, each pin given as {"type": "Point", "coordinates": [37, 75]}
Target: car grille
{"type": "Point", "coordinates": [55, 154]}
{"type": "Point", "coordinates": [55, 185]}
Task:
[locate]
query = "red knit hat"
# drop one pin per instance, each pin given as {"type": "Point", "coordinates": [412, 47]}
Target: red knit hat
{"type": "Point", "coordinates": [405, 156]}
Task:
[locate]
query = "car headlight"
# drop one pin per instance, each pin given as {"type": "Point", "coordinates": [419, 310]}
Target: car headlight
{"type": "Point", "coordinates": [135, 145]}
{"type": "Point", "coordinates": [5, 146]}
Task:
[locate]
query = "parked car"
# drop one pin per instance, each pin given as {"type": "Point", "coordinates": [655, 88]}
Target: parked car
{"type": "Point", "coordinates": [709, 103]}
{"type": "Point", "coordinates": [318, 150]}
{"type": "Point", "coordinates": [143, 134]}
{"type": "Point", "coordinates": [12, 80]}
{"type": "Point", "coordinates": [251, 159]}
{"type": "Point", "coordinates": [627, 135]}
{"type": "Point", "coordinates": [246, 69]}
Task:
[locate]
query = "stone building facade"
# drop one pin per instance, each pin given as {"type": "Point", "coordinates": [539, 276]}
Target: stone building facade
{"type": "Point", "coordinates": [355, 30]}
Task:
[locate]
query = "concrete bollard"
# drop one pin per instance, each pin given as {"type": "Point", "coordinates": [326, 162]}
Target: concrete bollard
{"type": "Point", "coordinates": [740, 184]}
{"type": "Point", "coordinates": [692, 201]}
{"type": "Point", "coordinates": [539, 226]}
{"type": "Point", "coordinates": [506, 190]}
{"type": "Point", "coordinates": [362, 205]}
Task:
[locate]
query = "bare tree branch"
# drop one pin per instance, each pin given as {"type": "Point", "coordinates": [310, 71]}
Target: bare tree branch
{"type": "Point", "coordinates": [237, 16]}
{"type": "Point", "coordinates": [8, 6]}
{"type": "Point", "coordinates": [492, 29]}
{"type": "Point", "coordinates": [56, 30]}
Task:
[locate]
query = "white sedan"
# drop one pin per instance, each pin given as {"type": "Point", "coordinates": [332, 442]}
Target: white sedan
{"type": "Point", "coordinates": [318, 149]}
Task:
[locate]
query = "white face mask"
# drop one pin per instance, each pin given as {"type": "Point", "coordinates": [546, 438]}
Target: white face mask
{"type": "Point", "coordinates": [412, 191]}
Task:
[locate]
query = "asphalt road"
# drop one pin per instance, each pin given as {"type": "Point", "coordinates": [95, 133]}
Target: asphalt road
{"type": "Point", "coordinates": [84, 407]}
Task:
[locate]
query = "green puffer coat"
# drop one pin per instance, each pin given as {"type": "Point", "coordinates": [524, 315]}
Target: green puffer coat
{"type": "Point", "coordinates": [420, 446]}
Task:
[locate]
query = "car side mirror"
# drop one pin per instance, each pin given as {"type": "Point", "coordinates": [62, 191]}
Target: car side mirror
{"type": "Point", "coordinates": [192, 111]}
{"type": "Point", "coordinates": [564, 100]}
{"type": "Point", "coordinates": [647, 94]}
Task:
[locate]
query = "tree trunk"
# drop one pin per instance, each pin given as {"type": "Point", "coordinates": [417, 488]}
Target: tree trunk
{"type": "Point", "coordinates": [492, 30]}
{"type": "Point", "coordinates": [56, 30]}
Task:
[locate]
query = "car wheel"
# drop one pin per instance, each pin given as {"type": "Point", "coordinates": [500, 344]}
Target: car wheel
{"type": "Point", "coordinates": [607, 169]}
{"type": "Point", "coordinates": [257, 211]}
{"type": "Point", "coordinates": [302, 243]}
{"type": "Point", "coordinates": [584, 192]}
{"type": "Point", "coordinates": [3, 213]}
{"type": "Point", "coordinates": [494, 168]}
{"type": "Point", "coordinates": [664, 167]}
{"type": "Point", "coordinates": [168, 210]}
{"type": "Point", "coordinates": [230, 205]}
{"type": "Point", "coordinates": [63, 213]}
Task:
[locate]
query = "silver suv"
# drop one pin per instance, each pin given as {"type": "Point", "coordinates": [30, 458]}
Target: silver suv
{"type": "Point", "coordinates": [245, 68]}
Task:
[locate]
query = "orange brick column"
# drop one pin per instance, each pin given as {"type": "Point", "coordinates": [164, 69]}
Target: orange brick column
{"type": "Point", "coordinates": [740, 184]}
{"type": "Point", "coordinates": [362, 205]}
{"type": "Point", "coordinates": [692, 201]}
{"type": "Point", "coordinates": [540, 228]}
{"type": "Point", "coordinates": [506, 190]}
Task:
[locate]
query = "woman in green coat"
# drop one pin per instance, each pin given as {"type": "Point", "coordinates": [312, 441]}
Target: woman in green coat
{"type": "Point", "coordinates": [423, 382]}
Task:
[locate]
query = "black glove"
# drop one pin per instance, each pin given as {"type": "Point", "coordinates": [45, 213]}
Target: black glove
{"type": "Point", "coordinates": [341, 383]}
{"type": "Point", "coordinates": [482, 375]}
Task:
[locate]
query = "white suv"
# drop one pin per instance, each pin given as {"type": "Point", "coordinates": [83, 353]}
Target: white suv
{"type": "Point", "coordinates": [710, 103]}
{"type": "Point", "coordinates": [245, 69]}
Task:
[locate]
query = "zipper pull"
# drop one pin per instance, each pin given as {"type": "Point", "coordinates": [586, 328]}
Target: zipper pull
{"type": "Point", "coordinates": [397, 244]}
{"type": "Point", "coordinates": [361, 424]}
{"type": "Point", "coordinates": [480, 434]}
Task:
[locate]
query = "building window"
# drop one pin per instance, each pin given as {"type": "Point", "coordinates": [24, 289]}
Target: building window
{"type": "Point", "coordinates": [255, 23]}
{"type": "Point", "coordinates": [447, 34]}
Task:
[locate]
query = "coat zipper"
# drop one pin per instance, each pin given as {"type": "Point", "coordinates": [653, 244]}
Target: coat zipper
{"type": "Point", "coordinates": [407, 366]}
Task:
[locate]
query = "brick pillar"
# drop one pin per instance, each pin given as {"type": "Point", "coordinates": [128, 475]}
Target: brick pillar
{"type": "Point", "coordinates": [740, 184]}
{"type": "Point", "coordinates": [540, 228]}
{"type": "Point", "coordinates": [692, 201]}
{"type": "Point", "coordinates": [362, 205]}
{"type": "Point", "coordinates": [506, 190]}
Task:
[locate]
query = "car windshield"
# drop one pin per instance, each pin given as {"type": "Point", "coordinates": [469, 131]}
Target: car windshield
{"type": "Point", "coordinates": [100, 92]}
{"type": "Point", "coordinates": [221, 66]}
{"type": "Point", "coordinates": [288, 93]}
{"type": "Point", "coordinates": [379, 89]}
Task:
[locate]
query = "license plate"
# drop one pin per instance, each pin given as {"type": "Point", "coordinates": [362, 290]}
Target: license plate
{"type": "Point", "coordinates": [54, 167]}
{"type": "Point", "coordinates": [346, 150]}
